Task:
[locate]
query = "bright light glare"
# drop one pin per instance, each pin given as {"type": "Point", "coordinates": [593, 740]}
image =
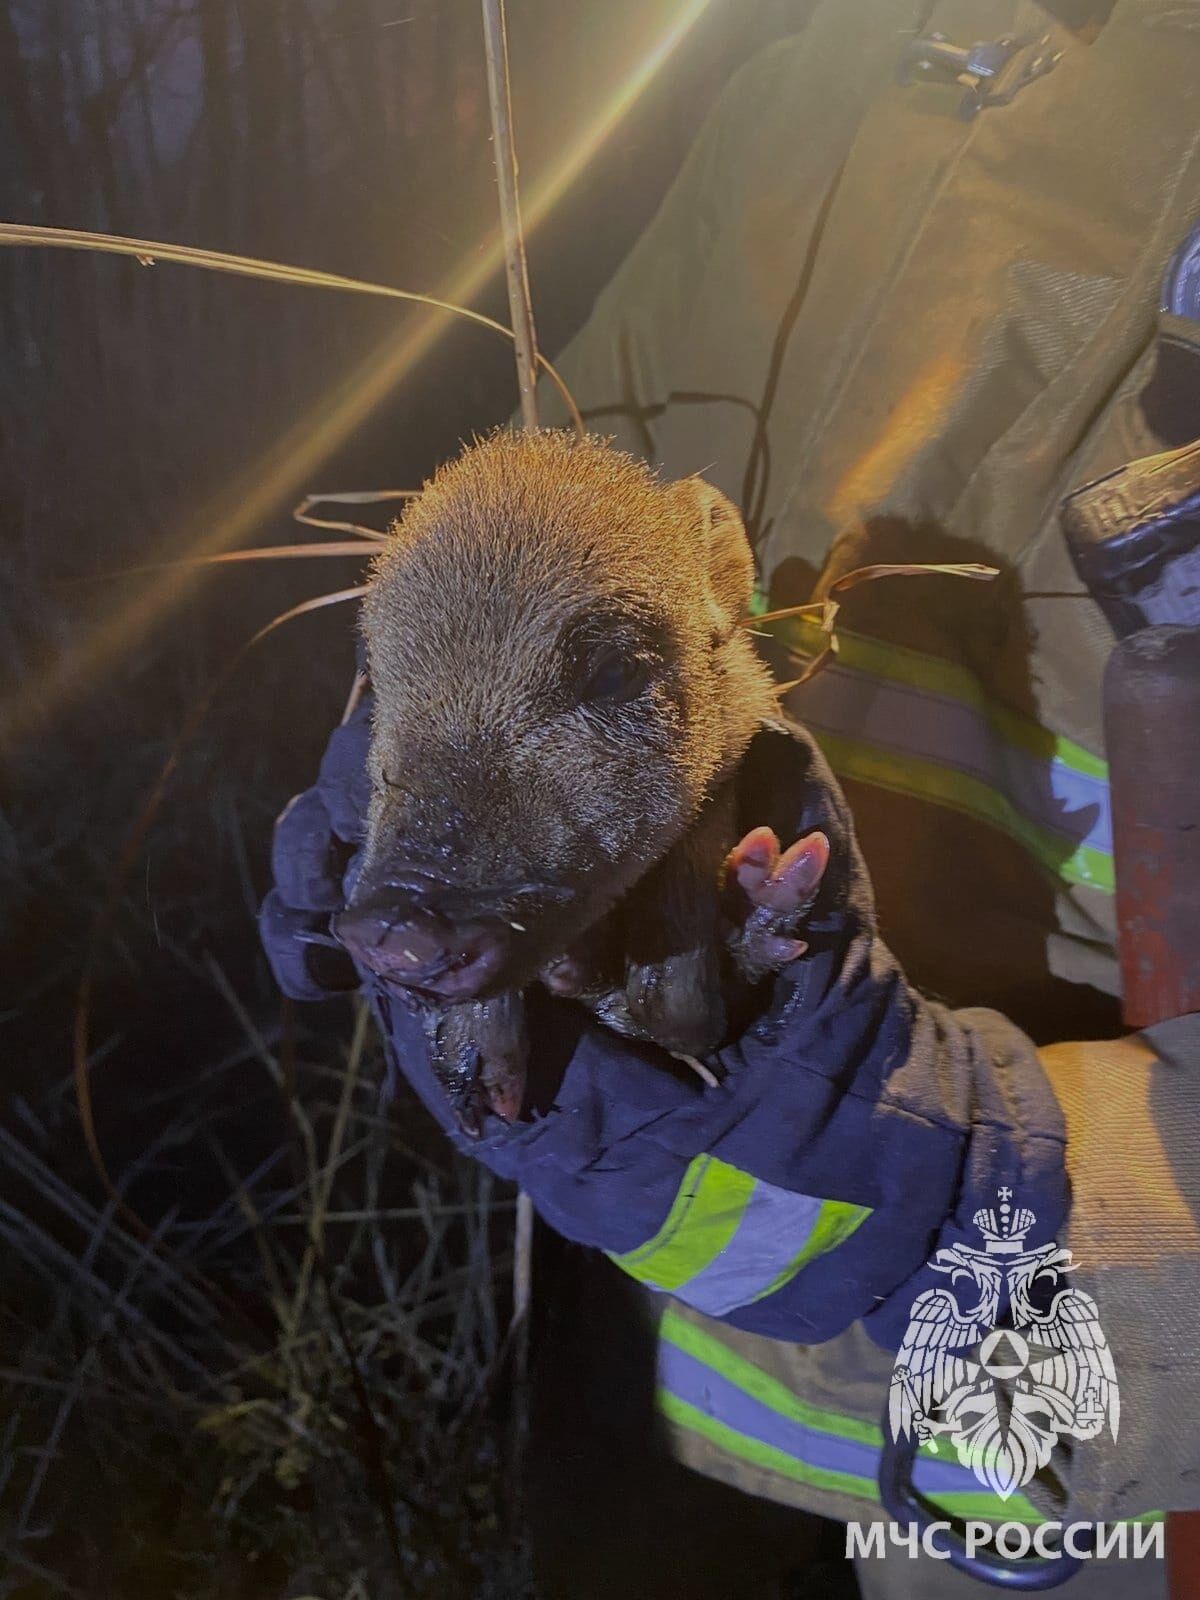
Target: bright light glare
{"type": "Point", "coordinates": [292, 463]}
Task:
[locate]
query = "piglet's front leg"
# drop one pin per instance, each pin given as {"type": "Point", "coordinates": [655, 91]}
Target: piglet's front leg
{"type": "Point", "coordinates": [711, 923]}
{"type": "Point", "coordinates": [480, 1052]}
{"type": "Point", "coordinates": [653, 967]}
{"type": "Point", "coordinates": [674, 979]}
{"type": "Point", "coordinates": [675, 963]}
{"type": "Point", "coordinates": [679, 960]}
{"type": "Point", "coordinates": [768, 892]}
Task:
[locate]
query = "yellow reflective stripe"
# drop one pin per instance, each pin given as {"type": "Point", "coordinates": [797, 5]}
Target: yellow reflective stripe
{"type": "Point", "coordinates": [730, 1239]}
{"type": "Point", "coordinates": [960, 791]}
{"type": "Point", "coordinates": [760, 1454]}
{"type": "Point", "coordinates": [835, 1223]}
{"type": "Point", "coordinates": [783, 1433]}
{"type": "Point", "coordinates": [898, 664]}
{"type": "Point", "coordinates": [703, 1218]}
{"type": "Point", "coordinates": [979, 758]}
{"type": "Point", "coordinates": [818, 1462]}
{"type": "Point", "coordinates": [697, 1341]}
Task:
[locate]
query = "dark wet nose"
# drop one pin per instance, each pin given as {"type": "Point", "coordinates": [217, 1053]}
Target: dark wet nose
{"type": "Point", "coordinates": [422, 951]}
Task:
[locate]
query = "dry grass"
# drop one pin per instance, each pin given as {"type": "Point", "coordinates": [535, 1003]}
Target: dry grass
{"type": "Point", "coordinates": [292, 1395]}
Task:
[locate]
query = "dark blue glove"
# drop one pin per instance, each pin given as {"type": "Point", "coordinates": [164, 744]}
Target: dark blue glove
{"type": "Point", "coordinates": [856, 1127]}
{"type": "Point", "coordinates": [312, 858]}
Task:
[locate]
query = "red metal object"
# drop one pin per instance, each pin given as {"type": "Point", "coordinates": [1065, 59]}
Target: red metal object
{"type": "Point", "coordinates": [1152, 722]}
{"type": "Point", "coordinates": [1183, 1555]}
{"type": "Point", "coordinates": [1152, 728]}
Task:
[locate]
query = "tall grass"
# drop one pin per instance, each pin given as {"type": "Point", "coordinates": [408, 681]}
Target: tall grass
{"type": "Point", "coordinates": [290, 1394]}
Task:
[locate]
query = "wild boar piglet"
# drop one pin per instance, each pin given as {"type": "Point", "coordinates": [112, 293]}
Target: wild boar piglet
{"type": "Point", "coordinates": [563, 693]}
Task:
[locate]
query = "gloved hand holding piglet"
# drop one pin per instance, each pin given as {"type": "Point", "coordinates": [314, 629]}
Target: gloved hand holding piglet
{"type": "Point", "coordinates": [610, 913]}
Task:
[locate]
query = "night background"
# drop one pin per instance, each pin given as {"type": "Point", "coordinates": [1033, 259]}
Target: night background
{"type": "Point", "coordinates": [279, 1371]}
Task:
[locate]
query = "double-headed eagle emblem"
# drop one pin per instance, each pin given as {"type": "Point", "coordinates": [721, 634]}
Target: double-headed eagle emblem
{"type": "Point", "coordinates": [1006, 1358]}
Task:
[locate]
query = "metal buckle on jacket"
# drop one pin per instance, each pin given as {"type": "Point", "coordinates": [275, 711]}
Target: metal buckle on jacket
{"type": "Point", "coordinates": [991, 72]}
{"type": "Point", "coordinates": [906, 1505]}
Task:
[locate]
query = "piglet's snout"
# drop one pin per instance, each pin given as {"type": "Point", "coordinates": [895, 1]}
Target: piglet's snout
{"type": "Point", "coordinates": [421, 950]}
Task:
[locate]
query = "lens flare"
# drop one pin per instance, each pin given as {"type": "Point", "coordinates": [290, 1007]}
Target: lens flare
{"type": "Point", "coordinates": [258, 491]}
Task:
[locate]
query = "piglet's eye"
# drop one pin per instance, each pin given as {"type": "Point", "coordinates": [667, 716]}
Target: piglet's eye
{"type": "Point", "coordinates": [610, 676]}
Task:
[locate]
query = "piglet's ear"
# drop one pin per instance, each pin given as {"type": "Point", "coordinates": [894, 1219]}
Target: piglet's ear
{"type": "Point", "coordinates": [728, 558]}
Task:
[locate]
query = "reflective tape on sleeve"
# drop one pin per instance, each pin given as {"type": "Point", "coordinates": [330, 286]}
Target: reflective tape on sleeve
{"type": "Point", "coordinates": [730, 1239]}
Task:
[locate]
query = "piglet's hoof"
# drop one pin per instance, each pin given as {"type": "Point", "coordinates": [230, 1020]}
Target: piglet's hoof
{"type": "Point", "coordinates": [768, 891]}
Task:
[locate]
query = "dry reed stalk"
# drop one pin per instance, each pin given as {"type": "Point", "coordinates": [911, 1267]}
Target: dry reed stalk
{"type": "Point", "coordinates": [520, 305]}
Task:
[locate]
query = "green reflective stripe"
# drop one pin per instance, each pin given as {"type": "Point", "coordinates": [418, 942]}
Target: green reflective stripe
{"type": "Point", "coordinates": [978, 1506]}
{"type": "Point", "coordinates": [836, 1222]}
{"type": "Point", "coordinates": [730, 1239]}
{"type": "Point", "coordinates": [777, 1397]}
{"type": "Point", "coordinates": [696, 1341]}
{"type": "Point", "coordinates": [759, 1454]}
{"type": "Point", "coordinates": [899, 664]}
{"type": "Point", "coordinates": [1010, 799]}
{"type": "Point", "coordinates": [959, 791]}
{"type": "Point", "coordinates": [989, 1507]}
{"type": "Point", "coordinates": [703, 1218]}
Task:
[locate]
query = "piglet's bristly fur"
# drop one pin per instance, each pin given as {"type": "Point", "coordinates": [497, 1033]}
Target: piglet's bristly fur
{"type": "Point", "coordinates": [563, 695]}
